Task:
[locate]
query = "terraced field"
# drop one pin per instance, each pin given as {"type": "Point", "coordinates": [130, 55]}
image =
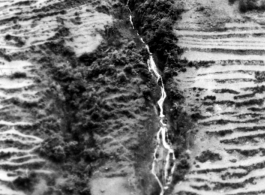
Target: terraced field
{"type": "Point", "coordinates": [226, 93]}
{"type": "Point", "coordinates": [23, 98]}
{"type": "Point", "coordinates": [20, 94]}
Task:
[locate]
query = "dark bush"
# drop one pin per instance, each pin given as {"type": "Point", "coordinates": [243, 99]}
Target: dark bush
{"type": "Point", "coordinates": [87, 59]}
{"type": "Point", "coordinates": [147, 93]}
{"type": "Point", "coordinates": [208, 155]}
{"type": "Point", "coordinates": [232, 1]}
{"type": "Point", "coordinates": [25, 183]}
{"type": "Point", "coordinates": [91, 154]}
{"type": "Point", "coordinates": [196, 116]}
{"type": "Point", "coordinates": [18, 75]}
{"type": "Point", "coordinates": [17, 40]}
{"type": "Point", "coordinates": [53, 148]}
{"type": "Point", "coordinates": [210, 97]}
{"type": "Point", "coordinates": [122, 77]}
{"type": "Point", "coordinates": [8, 37]}
{"type": "Point", "coordinates": [103, 9]}
{"type": "Point", "coordinates": [260, 76]}
{"type": "Point", "coordinates": [128, 69]}
{"type": "Point", "coordinates": [249, 5]}
{"type": "Point", "coordinates": [184, 164]}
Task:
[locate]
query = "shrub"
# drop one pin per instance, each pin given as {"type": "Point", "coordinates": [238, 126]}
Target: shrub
{"type": "Point", "coordinates": [146, 92]}
{"type": "Point", "coordinates": [91, 154]}
{"type": "Point", "coordinates": [131, 45]}
{"type": "Point", "coordinates": [87, 59]}
{"type": "Point", "coordinates": [17, 40]}
{"type": "Point", "coordinates": [53, 148]}
{"type": "Point", "coordinates": [18, 75]}
{"type": "Point", "coordinates": [260, 76]}
{"type": "Point", "coordinates": [8, 37]}
{"type": "Point", "coordinates": [25, 183]}
{"type": "Point", "coordinates": [249, 5]}
{"type": "Point", "coordinates": [128, 69]}
{"type": "Point", "coordinates": [122, 77]}
{"type": "Point", "coordinates": [208, 155]}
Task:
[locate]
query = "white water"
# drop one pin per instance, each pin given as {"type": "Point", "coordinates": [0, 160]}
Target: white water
{"type": "Point", "coordinates": [162, 144]}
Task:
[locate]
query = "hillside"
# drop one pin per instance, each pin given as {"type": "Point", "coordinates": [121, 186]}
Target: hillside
{"type": "Point", "coordinates": [212, 60]}
{"type": "Point", "coordinates": [78, 103]}
{"type": "Point", "coordinates": [146, 97]}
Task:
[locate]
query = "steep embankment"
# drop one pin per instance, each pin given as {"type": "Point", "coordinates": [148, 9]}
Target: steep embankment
{"type": "Point", "coordinates": [77, 100]}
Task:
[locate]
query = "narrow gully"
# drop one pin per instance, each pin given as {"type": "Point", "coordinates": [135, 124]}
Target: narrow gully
{"type": "Point", "coordinates": [164, 157]}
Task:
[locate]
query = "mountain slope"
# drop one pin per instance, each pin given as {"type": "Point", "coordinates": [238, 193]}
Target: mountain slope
{"type": "Point", "coordinates": [77, 100]}
{"type": "Point", "coordinates": [225, 89]}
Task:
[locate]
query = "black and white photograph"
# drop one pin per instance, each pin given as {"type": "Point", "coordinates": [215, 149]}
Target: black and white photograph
{"type": "Point", "coordinates": [132, 97]}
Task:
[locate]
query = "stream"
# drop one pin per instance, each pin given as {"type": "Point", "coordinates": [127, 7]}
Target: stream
{"type": "Point", "coordinates": [163, 165]}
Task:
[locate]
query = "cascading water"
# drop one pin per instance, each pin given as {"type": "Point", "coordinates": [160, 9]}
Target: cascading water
{"type": "Point", "coordinates": [163, 147]}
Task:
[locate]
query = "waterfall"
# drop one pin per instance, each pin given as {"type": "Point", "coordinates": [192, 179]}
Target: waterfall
{"type": "Point", "coordinates": [162, 134]}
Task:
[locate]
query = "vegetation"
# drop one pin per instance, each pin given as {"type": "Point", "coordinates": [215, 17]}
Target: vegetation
{"type": "Point", "coordinates": [103, 101]}
{"type": "Point", "coordinates": [249, 5]}
{"type": "Point", "coordinates": [18, 75]}
{"type": "Point", "coordinates": [15, 40]}
{"type": "Point", "coordinates": [154, 21]}
{"type": "Point", "coordinates": [260, 76]}
{"type": "Point", "coordinates": [25, 183]}
{"type": "Point", "coordinates": [98, 89]}
{"type": "Point", "coordinates": [208, 155]}
{"type": "Point", "coordinates": [101, 98]}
